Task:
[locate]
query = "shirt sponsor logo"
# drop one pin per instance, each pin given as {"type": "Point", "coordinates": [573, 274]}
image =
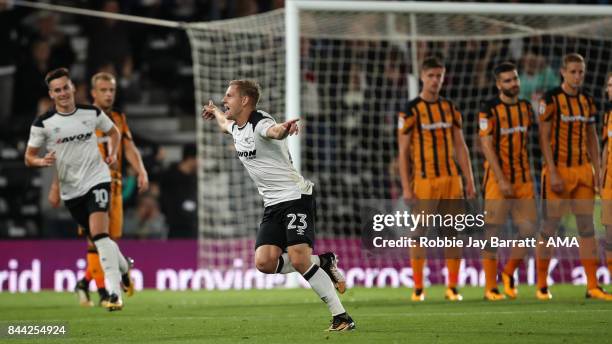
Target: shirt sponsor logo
{"type": "Point", "coordinates": [510, 131]}
{"type": "Point", "coordinates": [247, 154]}
{"type": "Point", "coordinates": [436, 125]}
{"type": "Point", "coordinates": [79, 137]}
{"type": "Point", "coordinates": [566, 118]}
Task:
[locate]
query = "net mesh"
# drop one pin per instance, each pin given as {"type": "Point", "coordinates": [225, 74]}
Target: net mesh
{"type": "Point", "coordinates": [356, 74]}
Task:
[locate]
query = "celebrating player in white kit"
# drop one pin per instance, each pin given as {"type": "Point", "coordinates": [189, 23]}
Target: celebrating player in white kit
{"type": "Point", "coordinates": [289, 216]}
{"type": "Point", "coordinates": [67, 131]}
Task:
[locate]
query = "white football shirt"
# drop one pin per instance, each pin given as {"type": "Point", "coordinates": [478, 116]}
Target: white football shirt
{"type": "Point", "coordinates": [72, 136]}
{"type": "Point", "coordinates": [267, 160]}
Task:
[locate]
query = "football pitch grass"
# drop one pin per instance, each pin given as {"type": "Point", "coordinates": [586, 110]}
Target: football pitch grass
{"type": "Point", "coordinates": [298, 316]}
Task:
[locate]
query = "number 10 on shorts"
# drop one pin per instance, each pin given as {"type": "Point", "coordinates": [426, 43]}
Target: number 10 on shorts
{"type": "Point", "coordinates": [101, 197]}
{"type": "Point", "coordinates": [302, 224]}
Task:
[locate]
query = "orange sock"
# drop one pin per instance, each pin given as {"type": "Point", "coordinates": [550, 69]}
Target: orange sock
{"type": "Point", "coordinates": [542, 271]}
{"type": "Point", "coordinates": [511, 266]}
{"type": "Point", "coordinates": [588, 258]}
{"type": "Point", "coordinates": [453, 266]}
{"type": "Point", "coordinates": [516, 257]}
{"type": "Point", "coordinates": [590, 270]}
{"type": "Point", "coordinates": [490, 269]}
{"type": "Point", "coordinates": [543, 255]}
{"type": "Point", "coordinates": [417, 261]}
{"type": "Point", "coordinates": [93, 265]}
{"type": "Point", "coordinates": [417, 271]}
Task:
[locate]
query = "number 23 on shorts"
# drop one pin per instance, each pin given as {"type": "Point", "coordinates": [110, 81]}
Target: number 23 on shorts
{"type": "Point", "coordinates": [301, 222]}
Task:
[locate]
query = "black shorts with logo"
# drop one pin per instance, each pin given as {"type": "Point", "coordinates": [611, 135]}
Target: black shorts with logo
{"type": "Point", "coordinates": [288, 223]}
{"type": "Point", "coordinates": [95, 200]}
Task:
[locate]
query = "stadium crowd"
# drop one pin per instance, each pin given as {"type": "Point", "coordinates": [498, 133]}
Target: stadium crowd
{"type": "Point", "coordinates": [141, 57]}
{"type": "Point", "coordinates": [153, 69]}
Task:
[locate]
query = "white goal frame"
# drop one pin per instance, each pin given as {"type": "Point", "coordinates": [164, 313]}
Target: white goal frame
{"type": "Point", "coordinates": [292, 38]}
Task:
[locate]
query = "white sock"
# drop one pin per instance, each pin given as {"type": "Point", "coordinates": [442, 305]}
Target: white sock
{"type": "Point", "coordinates": [323, 286]}
{"type": "Point", "coordinates": [123, 264]}
{"type": "Point", "coordinates": [284, 264]}
{"type": "Point", "coordinates": [109, 259]}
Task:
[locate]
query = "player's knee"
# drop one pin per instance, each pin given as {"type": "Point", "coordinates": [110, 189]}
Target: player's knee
{"type": "Point", "coordinates": [609, 238]}
{"type": "Point", "coordinates": [265, 265]}
{"type": "Point", "coordinates": [98, 224]}
{"type": "Point", "coordinates": [586, 233]}
{"type": "Point", "coordinates": [586, 229]}
{"type": "Point", "coordinates": [545, 235]}
{"type": "Point", "coordinates": [300, 259]}
{"type": "Point", "coordinates": [549, 229]}
{"type": "Point", "coordinates": [527, 230]}
{"type": "Point", "coordinates": [490, 249]}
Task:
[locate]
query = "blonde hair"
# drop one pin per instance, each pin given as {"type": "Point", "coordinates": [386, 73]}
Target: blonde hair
{"type": "Point", "coordinates": [248, 88]}
{"type": "Point", "coordinates": [102, 76]}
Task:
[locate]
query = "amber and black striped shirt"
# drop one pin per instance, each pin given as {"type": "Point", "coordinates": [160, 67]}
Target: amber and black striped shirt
{"type": "Point", "coordinates": [120, 122]}
{"type": "Point", "coordinates": [508, 124]}
{"type": "Point", "coordinates": [569, 116]}
{"type": "Point", "coordinates": [431, 125]}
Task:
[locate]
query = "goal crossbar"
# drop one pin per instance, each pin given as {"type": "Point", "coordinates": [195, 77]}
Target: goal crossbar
{"type": "Point", "coordinates": [292, 26]}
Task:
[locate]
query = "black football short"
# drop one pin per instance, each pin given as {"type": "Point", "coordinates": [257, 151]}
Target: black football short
{"type": "Point", "coordinates": [288, 223]}
{"type": "Point", "coordinates": [97, 199]}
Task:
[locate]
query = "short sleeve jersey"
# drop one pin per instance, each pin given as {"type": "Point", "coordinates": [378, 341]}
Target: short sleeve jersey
{"type": "Point", "coordinates": [508, 125]}
{"type": "Point", "coordinates": [569, 117]}
{"type": "Point", "coordinates": [431, 125]}
{"type": "Point", "coordinates": [72, 137]}
{"type": "Point", "coordinates": [267, 160]}
{"type": "Point", "coordinates": [120, 121]}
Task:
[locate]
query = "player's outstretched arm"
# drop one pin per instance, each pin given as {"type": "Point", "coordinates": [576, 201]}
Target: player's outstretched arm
{"type": "Point", "coordinates": [211, 111]}
{"type": "Point", "coordinates": [32, 159]}
{"type": "Point", "coordinates": [463, 158]}
{"type": "Point", "coordinates": [281, 130]}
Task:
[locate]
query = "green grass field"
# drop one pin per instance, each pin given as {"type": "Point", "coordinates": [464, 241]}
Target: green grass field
{"type": "Point", "coordinates": [297, 316]}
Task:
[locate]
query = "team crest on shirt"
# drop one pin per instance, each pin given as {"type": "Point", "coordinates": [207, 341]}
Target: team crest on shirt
{"type": "Point", "coordinates": [609, 133]}
{"type": "Point", "coordinates": [542, 108]}
{"type": "Point", "coordinates": [483, 124]}
{"type": "Point", "coordinates": [56, 130]}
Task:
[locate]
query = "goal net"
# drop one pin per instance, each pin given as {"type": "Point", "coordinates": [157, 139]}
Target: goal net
{"type": "Point", "coordinates": [357, 70]}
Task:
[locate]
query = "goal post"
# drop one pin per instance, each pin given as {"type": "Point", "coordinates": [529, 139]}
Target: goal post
{"type": "Point", "coordinates": [293, 9]}
{"type": "Point", "coordinates": [345, 68]}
